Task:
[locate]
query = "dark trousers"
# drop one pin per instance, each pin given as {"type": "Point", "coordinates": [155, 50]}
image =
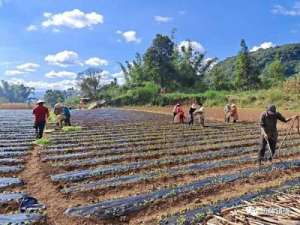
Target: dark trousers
{"type": "Point", "coordinates": [263, 146]}
{"type": "Point", "coordinates": [39, 129]}
{"type": "Point", "coordinates": [67, 121]}
{"type": "Point", "coordinates": [191, 122]}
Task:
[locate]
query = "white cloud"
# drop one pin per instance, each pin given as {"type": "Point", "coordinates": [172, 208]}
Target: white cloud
{"type": "Point", "coordinates": [162, 19]}
{"type": "Point", "coordinates": [47, 14]}
{"type": "Point", "coordinates": [95, 61]}
{"type": "Point", "coordinates": [28, 67]}
{"type": "Point", "coordinates": [32, 28]}
{"type": "Point", "coordinates": [75, 19]}
{"type": "Point", "coordinates": [14, 72]}
{"type": "Point", "coordinates": [193, 44]}
{"type": "Point", "coordinates": [281, 10]}
{"type": "Point", "coordinates": [61, 74]}
{"type": "Point", "coordinates": [63, 59]}
{"type": "Point", "coordinates": [131, 36]}
{"type": "Point", "coordinates": [22, 69]}
{"type": "Point", "coordinates": [42, 85]}
{"type": "Point", "coordinates": [263, 45]}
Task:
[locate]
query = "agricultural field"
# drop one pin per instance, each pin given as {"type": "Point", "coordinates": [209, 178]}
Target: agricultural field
{"type": "Point", "coordinates": [130, 167]}
{"type": "Point", "coordinates": [16, 137]}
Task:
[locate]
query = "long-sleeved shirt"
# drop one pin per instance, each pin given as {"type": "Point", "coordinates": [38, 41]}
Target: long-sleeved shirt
{"type": "Point", "coordinates": [269, 123]}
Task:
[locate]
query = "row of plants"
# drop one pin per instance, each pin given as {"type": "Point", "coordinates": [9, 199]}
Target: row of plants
{"type": "Point", "coordinates": [193, 168]}
{"type": "Point", "coordinates": [111, 209]}
{"type": "Point", "coordinates": [197, 215]}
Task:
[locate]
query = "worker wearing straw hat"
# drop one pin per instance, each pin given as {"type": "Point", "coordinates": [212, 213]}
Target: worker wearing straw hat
{"type": "Point", "coordinates": [41, 114]}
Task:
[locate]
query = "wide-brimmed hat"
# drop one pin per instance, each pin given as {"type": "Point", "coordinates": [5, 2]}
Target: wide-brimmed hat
{"type": "Point", "coordinates": [40, 101]}
{"type": "Point", "coordinates": [194, 106]}
{"type": "Point", "coordinates": [178, 104]}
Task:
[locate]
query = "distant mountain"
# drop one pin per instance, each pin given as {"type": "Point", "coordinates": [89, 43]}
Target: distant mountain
{"type": "Point", "coordinates": [89, 72]}
{"type": "Point", "coordinates": [289, 55]}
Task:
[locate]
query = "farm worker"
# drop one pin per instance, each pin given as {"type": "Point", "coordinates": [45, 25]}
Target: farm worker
{"type": "Point", "coordinates": [175, 110]}
{"type": "Point", "coordinates": [227, 109]}
{"type": "Point", "coordinates": [41, 114]}
{"type": "Point", "coordinates": [67, 115]}
{"type": "Point", "coordinates": [234, 113]}
{"type": "Point", "coordinates": [191, 112]}
{"type": "Point", "coordinates": [59, 112]}
{"type": "Point", "coordinates": [179, 115]}
{"type": "Point", "coordinates": [200, 113]}
{"type": "Point", "coordinates": [269, 134]}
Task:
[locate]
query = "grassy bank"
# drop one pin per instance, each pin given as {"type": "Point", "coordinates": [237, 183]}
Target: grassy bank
{"type": "Point", "coordinates": [245, 99]}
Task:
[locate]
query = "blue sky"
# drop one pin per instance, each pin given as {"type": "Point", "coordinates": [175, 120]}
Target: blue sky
{"type": "Point", "coordinates": [43, 43]}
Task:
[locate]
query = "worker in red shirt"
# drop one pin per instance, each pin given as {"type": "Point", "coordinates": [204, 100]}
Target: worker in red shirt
{"type": "Point", "coordinates": [41, 114]}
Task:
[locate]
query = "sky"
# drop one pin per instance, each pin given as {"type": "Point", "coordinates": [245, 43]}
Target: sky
{"type": "Point", "coordinates": [44, 43]}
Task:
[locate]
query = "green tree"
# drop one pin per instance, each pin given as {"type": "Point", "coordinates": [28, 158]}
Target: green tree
{"type": "Point", "coordinates": [91, 85]}
{"type": "Point", "coordinates": [54, 96]}
{"type": "Point", "coordinates": [217, 80]}
{"type": "Point", "coordinates": [158, 61]}
{"type": "Point", "coordinates": [191, 66]}
{"type": "Point", "coordinates": [246, 76]}
{"type": "Point", "coordinates": [274, 73]}
{"type": "Point", "coordinates": [15, 92]}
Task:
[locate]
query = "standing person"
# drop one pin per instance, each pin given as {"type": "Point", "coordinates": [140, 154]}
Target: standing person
{"type": "Point", "coordinates": [41, 114]}
{"type": "Point", "coordinates": [67, 115]}
{"type": "Point", "coordinates": [269, 134]}
{"type": "Point", "coordinates": [59, 112]}
{"type": "Point", "coordinates": [191, 112]}
{"type": "Point", "coordinates": [200, 113]}
{"type": "Point", "coordinates": [175, 110]}
{"type": "Point", "coordinates": [227, 109]}
{"type": "Point", "coordinates": [234, 113]}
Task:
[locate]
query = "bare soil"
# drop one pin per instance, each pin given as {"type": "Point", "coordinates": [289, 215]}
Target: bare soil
{"type": "Point", "coordinates": [39, 185]}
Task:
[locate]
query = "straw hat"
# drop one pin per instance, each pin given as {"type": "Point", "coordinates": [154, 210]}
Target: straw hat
{"type": "Point", "coordinates": [40, 101]}
{"type": "Point", "coordinates": [194, 106]}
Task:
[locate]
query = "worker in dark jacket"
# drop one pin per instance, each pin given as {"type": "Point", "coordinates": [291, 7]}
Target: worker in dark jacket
{"type": "Point", "coordinates": [269, 134]}
{"type": "Point", "coordinates": [191, 112]}
{"type": "Point", "coordinates": [41, 114]}
{"type": "Point", "coordinates": [67, 115]}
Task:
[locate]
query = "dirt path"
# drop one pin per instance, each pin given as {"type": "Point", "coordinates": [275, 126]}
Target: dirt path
{"type": "Point", "coordinates": [39, 185]}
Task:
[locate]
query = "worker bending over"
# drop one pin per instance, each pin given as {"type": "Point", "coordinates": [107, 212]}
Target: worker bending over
{"type": "Point", "coordinates": [59, 112]}
{"type": "Point", "coordinates": [234, 113]}
{"type": "Point", "coordinates": [200, 114]}
{"type": "Point", "coordinates": [269, 133]}
{"type": "Point", "coordinates": [67, 115]}
{"type": "Point", "coordinates": [41, 114]}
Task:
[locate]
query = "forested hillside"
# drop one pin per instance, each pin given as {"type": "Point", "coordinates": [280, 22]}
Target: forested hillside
{"type": "Point", "coordinates": [289, 55]}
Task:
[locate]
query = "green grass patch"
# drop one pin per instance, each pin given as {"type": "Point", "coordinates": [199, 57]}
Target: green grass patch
{"type": "Point", "coordinates": [71, 128]}
{"type": "Point", "coordinates": [52, 117]}
{"type": "Point", "coordinates": [42, 141]}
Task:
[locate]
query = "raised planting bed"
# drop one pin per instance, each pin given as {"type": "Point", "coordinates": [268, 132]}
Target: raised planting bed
{"type": "Point", "coordinates": [21, 218]}
{"type": "Point", "coordinates": [9, 182]}
{"type": "Point", "coordinates": [126, 206]}
{"type": "Point", "coordinates": [165, 173]}
{"type": "Point", "coordinates": [8, 197]}
{"type": "Point", "coordinates": [197, 215]}
{"type": "Point", "coordinates": [10, 169]}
